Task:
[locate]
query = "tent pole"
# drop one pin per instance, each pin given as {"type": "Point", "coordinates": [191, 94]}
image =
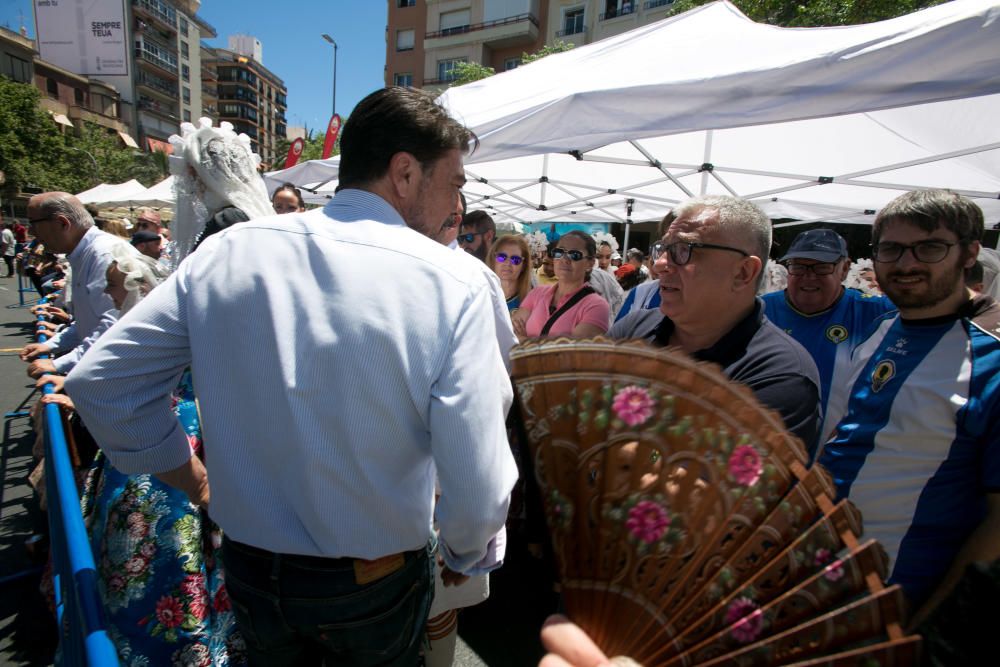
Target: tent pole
{"type": "Point", "coordinates": [709, 135]}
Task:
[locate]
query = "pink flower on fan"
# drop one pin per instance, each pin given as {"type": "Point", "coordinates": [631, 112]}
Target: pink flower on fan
{"type": "Point", "coordinates": [745, 465]}
{"type": "Point", "coordinates": [834, 571]}
{"type": "Point", "coordinates": [647, 521]}
{"type": "Point", "coordinates": [633, 405]}
{"type": "Point", "coordinates": [822, 557]}
{"type": "Point", "coordinates": [745, 619]}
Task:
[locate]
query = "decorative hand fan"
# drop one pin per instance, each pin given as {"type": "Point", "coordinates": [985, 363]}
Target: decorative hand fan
{"type": "Point", "coordinates": [686, 526]}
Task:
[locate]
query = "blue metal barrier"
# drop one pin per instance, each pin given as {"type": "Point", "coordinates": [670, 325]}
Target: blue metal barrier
{"type": "Point", "coordinates": [79, 612]}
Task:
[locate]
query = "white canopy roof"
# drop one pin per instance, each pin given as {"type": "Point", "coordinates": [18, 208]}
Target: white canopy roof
{"type": "Point", "coordinates": [98, 194]}
{"type": "Point", "coordinates": [811, 123]}
{"type": "Point", "coordinates": [160, 195]}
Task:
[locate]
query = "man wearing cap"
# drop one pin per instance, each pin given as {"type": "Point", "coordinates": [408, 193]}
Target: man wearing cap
{"type": "Point", "coordinates": [148, 243]}
{"type": "Point", "coordinates": [818, 312]}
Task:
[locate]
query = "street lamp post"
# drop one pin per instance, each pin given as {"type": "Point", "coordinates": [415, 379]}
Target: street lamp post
{"type": "Point", "coordinates": [330, 39]}
{"type": "Point", "coordinates": [97, 170]}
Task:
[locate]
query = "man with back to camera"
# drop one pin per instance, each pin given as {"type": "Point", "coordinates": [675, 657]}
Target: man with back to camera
{"type": "Point", "coordinates": [818, 312]}
{"type": "Point", "coordinates": [326, 504]}
{"type": "Point", "coordinates": [918, 449]}
{"type": "Point", "coordinates": [709, 264]}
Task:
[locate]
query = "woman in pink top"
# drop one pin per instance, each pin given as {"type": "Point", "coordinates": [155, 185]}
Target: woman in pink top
{"type": "Point", "coordinates": [570, 307]}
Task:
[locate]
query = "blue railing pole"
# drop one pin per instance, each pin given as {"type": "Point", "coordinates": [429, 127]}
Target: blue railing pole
{"type": "Point", "coordinates": [74, 574]}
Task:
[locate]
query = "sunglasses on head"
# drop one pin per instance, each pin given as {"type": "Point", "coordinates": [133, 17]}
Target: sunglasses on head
{"type": "Point", "coordinates": [559, 253]}
{"type": "Point", "coordinates": [470, 237]}
{"type": "Point", "coordinates": [515, 260]}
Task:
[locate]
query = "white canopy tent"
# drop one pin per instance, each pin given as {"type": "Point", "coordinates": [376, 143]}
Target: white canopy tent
{"type": "Point", "coordinates": [811, 124]}
{"type": "Point", "coordinates": [99, 193]}
{"type": "Point", "coordinates": [158, 196]}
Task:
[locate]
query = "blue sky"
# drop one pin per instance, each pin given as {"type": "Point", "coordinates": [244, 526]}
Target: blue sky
{"type": "Point", "coordinates": [293, 48]}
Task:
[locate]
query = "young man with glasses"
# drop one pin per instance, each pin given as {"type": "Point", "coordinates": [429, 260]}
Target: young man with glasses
{"type": "Point", "coordinates": [918, 448]}
{"type": "Point", "coordinates": [817, 311]}
{"type": "Point", "coordinates": [709, 265]}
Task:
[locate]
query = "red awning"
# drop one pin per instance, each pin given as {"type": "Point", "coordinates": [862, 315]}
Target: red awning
{"type": "Point", "coordinates": [157, 145]}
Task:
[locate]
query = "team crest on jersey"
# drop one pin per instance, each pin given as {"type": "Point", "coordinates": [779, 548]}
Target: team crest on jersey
{"type": "Point", "coordinates": [884, 371]}
{"type": "Point", "coordinates": [837, 333]}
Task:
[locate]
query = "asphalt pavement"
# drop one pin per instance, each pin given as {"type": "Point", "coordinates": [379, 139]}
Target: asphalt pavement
{"type": "Point", "coordinates": [27, 631]}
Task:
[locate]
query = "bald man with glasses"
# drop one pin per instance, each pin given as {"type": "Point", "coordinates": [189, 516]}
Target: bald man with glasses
{"type": "Point", "coordinates": [709, 263]}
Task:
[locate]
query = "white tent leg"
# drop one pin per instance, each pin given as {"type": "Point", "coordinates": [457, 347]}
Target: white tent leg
{"type": "Point", "coordinates": [709, 135]}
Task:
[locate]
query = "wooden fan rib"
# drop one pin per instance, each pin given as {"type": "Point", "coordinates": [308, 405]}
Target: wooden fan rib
{"type": "Point", "coordinates": [796, 563]}
{"type": "Point", "coordinates": [782, 526]}
{"type": "Point", "coordinates": [897, 652]}
{"type": "Point", "coordinates": [839, 581]}
{"type": "Point", "coordinates": [859, 621]}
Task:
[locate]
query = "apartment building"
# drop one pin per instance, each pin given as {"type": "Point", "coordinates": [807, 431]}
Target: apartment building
{"type": "Point", "coordinates": [426, 39]}
{"type": "Point", "coordinates": [168, 72]}
{"type": "Point", "coordinates": [252, 98]}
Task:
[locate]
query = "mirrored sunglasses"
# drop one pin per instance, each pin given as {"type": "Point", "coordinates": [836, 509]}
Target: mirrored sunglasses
{"type": "Point", "coordinates": [515, 260]}
{"type": "Point", "coordinates": [559, 253]}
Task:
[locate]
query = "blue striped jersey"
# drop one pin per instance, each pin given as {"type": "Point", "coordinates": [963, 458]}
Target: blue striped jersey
{"type": "Point", "coordinates": [830, 335]}
{"type": "Point", "coordinates": [918, 449]}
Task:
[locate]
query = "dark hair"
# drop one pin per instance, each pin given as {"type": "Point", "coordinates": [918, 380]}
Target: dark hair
{"type": "Point", "coordinates": [929, 209]}
{"type": "Point", "coordinates": [636, 254]}
{"type": "Point", "coordinates": [591, 244]}
{"type": "Point", "coordinates": [481, 220]}
{"type": "Point", "coordinates": [974, 274]}
{"type": "Point", "coordinates": [394, 120]}
{"type": "Point", "coordinates": [294, 190]}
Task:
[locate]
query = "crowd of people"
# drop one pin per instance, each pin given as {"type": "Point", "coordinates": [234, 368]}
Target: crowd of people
{"type": "Point", "coordinates": [305, 449]}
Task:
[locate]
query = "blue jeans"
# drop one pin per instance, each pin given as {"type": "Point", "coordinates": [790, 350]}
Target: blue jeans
{"type": "Point", "coordinates": [302, 610]}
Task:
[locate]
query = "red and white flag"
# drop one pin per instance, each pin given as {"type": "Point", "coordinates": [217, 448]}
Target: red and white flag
{"type": "Point", "coordinates": [294, 152]}
{"type": "Point", "coordinates": [332, 130]}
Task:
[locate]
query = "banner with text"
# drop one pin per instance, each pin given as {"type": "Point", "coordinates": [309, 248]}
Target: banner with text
{"type": "Point", "coordinates": [86, 37]}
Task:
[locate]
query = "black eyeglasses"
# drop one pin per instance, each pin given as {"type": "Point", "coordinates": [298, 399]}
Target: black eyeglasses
{"type": "Point", "coordinates": [559, 253]}
{"type": "Point", "coordinates": [928, 252]}
{"type": "Point", "coordinates": [468, 238]}
{"type": "Point", "coordinates": [515, 260]}
{"type": "Point", "coordinates": [821, 269]}
{"type": "Point", "coordinates": [680, 251]}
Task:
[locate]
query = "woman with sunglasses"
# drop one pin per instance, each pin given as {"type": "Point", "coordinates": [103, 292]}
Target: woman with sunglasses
{"type": "Point", "coordinates": [570, 307]}
{"type": "Point", "coordinates": [510, 259]}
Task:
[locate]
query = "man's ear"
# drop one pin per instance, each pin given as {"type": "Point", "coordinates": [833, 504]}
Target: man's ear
{"type": "Point", "coordinates": [747, 272]}
{"type": "Point", "coordinates": [404, 173]}
{"type": "Point", "coordinates": [973, 254]}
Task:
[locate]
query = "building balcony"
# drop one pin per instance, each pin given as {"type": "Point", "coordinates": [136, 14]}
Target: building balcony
{"type": "Point", "coordinates": [209, 74]}
{"type": "Point", "coordinates": [656, 4]}
{"type": "Point", "coordinates": [157, 14]}
{"type": "Point", "coordinates": [210, 91]}
{"type": "Point", "coordinates": [161, 65]}
{"type": "Point", "coordinates": [156, 85]}
{"type": "Point", "coordinates": [78, 113]}
{"type": "Point", "coordinates": [498, 34]}
{"type": "Point", "coordinates": [163, 110]}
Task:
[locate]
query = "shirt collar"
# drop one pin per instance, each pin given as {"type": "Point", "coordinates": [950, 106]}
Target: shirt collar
{"type": "Point", "coordinates": [727, 349]}
{"type": "Point", "coordinates": [351, 205]}
{"type": "Point", "coordinates": [85, 242]}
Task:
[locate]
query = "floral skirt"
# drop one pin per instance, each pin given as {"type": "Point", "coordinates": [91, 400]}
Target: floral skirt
{"type": "Point", "coordinates": [159, 572]}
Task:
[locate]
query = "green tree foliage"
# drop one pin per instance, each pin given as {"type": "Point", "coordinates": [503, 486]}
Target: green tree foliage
{"type": "Point", "coordinates": [802, 14]}
{"type": "Point", "coordinates": [34, 153]}
{"type": "Point", "coordinates": [558, 47]}
{"type": "Point", "coordinates": [469, 72]}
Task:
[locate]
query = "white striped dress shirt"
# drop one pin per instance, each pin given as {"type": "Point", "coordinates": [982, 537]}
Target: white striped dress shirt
{"type": "Point", "coordinates": [339, 358]}
{"type": "Point", "coordinates": [93, 311]}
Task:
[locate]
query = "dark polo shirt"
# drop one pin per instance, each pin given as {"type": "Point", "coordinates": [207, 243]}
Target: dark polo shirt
{"type": "Point", "coordinates": [756, 353]}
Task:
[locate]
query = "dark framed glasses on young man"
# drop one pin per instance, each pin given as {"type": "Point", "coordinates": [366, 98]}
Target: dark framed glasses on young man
{"type": "Point", "coordinates": [515, 260]}
{"type": "Point", "coordinates": [928, 252]}
{"type": "Point", "coordinates": [574, 255]}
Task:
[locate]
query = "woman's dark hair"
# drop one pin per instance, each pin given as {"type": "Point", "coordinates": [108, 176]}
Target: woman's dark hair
{"type": "Point", "coordinates": [591, 244]}
{"type": "Point", "coordinates": [294, 190]}
{"type": "Point", "coordinates": [394, 120]}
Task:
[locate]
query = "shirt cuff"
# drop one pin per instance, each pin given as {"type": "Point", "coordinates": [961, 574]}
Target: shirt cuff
{"type": "Point", "coordinates": [493, 560]}
{"type": "Point", "coordinates": [171, 452]}
{"type": "Point", "coordinates": [64, 364]}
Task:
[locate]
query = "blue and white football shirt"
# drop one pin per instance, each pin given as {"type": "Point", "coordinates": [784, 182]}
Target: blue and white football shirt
{"type": "Point", "coordinates": [919, 447]}
{"type": "Point", "coordinates": [830, 335]}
